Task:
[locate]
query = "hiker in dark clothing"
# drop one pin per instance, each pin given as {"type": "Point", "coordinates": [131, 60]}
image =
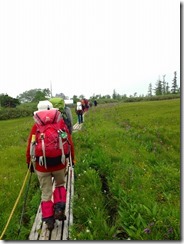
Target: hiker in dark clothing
{"type": "Point", "coordinates": [95, 103]}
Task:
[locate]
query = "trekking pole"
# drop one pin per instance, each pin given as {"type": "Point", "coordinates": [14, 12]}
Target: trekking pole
{"type": "Point", "coordinates": [6, 226]}
{"type": "Point", "coordinates": [24, 205]}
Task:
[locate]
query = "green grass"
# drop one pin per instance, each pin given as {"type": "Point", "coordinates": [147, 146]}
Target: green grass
{"type": "Point", "coordinates": [13, 141]}
{"type": "Point", "coordinates": [136, 148]}
{"type": "Point", "coordinates": [127, 175]}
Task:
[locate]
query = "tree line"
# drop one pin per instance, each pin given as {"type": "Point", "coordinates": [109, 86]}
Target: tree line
{"type": "Point", "coordinates": [35, 95]}
{"type": "Point", "coordinates": [162, 87]}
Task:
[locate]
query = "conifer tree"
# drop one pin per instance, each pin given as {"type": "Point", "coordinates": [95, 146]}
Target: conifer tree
{"type": "Point", "coordinates": [158, 88]}
{"type": "Point", "coordinates": [167, 88]}
{"type": "Point", "coordinates": [164, 85]}
{"type": "Point", "coordinates": [150, 90]}
{"type": "Point", "coordinates": [174, 88]}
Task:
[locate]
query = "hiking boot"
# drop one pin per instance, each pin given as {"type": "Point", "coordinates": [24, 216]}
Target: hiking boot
{"type": "Point", "coordinates": [59, 211]}
{"type": "Point", "coordinates": [50, 223]}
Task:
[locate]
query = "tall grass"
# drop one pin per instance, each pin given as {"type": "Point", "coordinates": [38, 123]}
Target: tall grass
{"type": "Point", "coordinates": [13, 142]}
{"type": "Point", "coordinates": [133, 151]}
{"type": "Point", "coordinates": [127, 175]}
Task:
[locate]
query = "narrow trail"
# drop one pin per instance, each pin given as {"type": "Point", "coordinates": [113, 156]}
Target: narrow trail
{"type": "Point", "coordinates": [61, 231]}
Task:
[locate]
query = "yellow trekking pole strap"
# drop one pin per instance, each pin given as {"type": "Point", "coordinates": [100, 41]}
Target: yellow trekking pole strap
{"type": "Point", "coordinates": [15, 205]}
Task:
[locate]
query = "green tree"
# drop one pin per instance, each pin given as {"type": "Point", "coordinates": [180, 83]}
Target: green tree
{"type": "Point", "coordinates": [124, 97]}
{"type": "Point", "coordinates": [167, 88]}
{"type": "Point", "coordinates": [34, 95]}
{"type": "Point", "coordinates": [81, 96]}
{"type": "Point", "coordinates": [158, 88]}
{"type": "Point", "coordinates": [62, 95]}
{"type": "Point", "coordinates": [7, 101]}
{"type": "Point", "coordinates": [150, 90]}
{"type": "Point", "coordinates": [106, 97]}
{"type": "Point", "coordinates": [164, 85]}
{"type": "Point", "coordinates": [174, 88]}
{"type": "Point", "coordinates": [75, 99]}
{"type": "Point", "coordinates": [114, 94]}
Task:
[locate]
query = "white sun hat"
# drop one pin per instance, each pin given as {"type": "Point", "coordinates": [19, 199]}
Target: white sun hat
{"type": "Point", "coordinates": [44, 105]}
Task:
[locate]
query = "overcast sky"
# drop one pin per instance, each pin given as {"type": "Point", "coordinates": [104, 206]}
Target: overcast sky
{"type": "Point", "coordinates": [88, 46]}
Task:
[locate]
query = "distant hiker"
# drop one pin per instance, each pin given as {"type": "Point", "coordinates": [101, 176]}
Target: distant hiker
{"type": "Point", "coordinates": [95, 103]}
{"type": "Point", "coordinates": [85, 104]}
{"type": "Point", "coordinates": [47, 154]}
{"type": "Point", "coordinates": [59, 103]}
{"type": "Point", "coordinates": [79, 112]}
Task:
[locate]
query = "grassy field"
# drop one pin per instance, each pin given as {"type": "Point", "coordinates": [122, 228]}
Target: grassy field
{"type": "Point", "coordinates": [127, 175]}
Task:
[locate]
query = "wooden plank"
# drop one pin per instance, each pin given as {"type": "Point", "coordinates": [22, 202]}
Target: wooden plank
{"type": "Point", "coordinates": [57, 231]}
{"type": "Point", "coordinates": [37, 226]}
{"type": "Point", "coordinates": [66, 231]}
{"type": "Point", "coordinates": [45, 233]}
{"type": "Point", "coordinates": [60, 231]}
{"type": "Point", "coordinates": [67, 209]}
{"type": "Point", "coordinates": [77, 126]}
{"type": "Point", "coordinates": [71, 198]}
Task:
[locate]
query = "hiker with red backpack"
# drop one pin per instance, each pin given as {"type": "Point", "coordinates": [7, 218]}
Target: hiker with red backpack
{"type": "Point", "coordinates": [47, 155]}
{"type": "Point", "coordinates": [85, 104]}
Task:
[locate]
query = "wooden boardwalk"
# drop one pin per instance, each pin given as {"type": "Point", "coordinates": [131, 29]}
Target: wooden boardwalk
{"type": "Point", "coordinates": [77, 127]}
{"type": "Point", "coordinates": [61, 229]}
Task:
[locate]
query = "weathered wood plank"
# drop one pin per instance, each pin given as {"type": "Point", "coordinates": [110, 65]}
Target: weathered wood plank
{"type": "Point", "coordinates": [77, 127]}
{"type": "Point", "coordinates": [67, 209]}
{"type": "Point", "coordinates": [71, 198]}
{"type": "Point", "coordinates": [57, 231]}
{"type": "Point", "coordinates": [36, 228]}
{"type": "Point", "coordinates": [45, 233]}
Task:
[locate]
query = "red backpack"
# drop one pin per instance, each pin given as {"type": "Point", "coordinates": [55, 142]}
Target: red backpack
{"type": "Point", "coordinates": [51, 135]}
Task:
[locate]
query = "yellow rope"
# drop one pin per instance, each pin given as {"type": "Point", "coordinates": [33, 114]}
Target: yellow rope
{"type": "Point", "coordinates": [15, 205]}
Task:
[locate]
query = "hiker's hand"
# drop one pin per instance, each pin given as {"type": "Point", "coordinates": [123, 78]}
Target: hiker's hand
{"type": "Point", "coordinates": [31, 168]}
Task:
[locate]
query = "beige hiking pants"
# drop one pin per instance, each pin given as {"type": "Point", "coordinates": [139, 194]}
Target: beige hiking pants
{"type": "Point", "coordinates": [46, 184]}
